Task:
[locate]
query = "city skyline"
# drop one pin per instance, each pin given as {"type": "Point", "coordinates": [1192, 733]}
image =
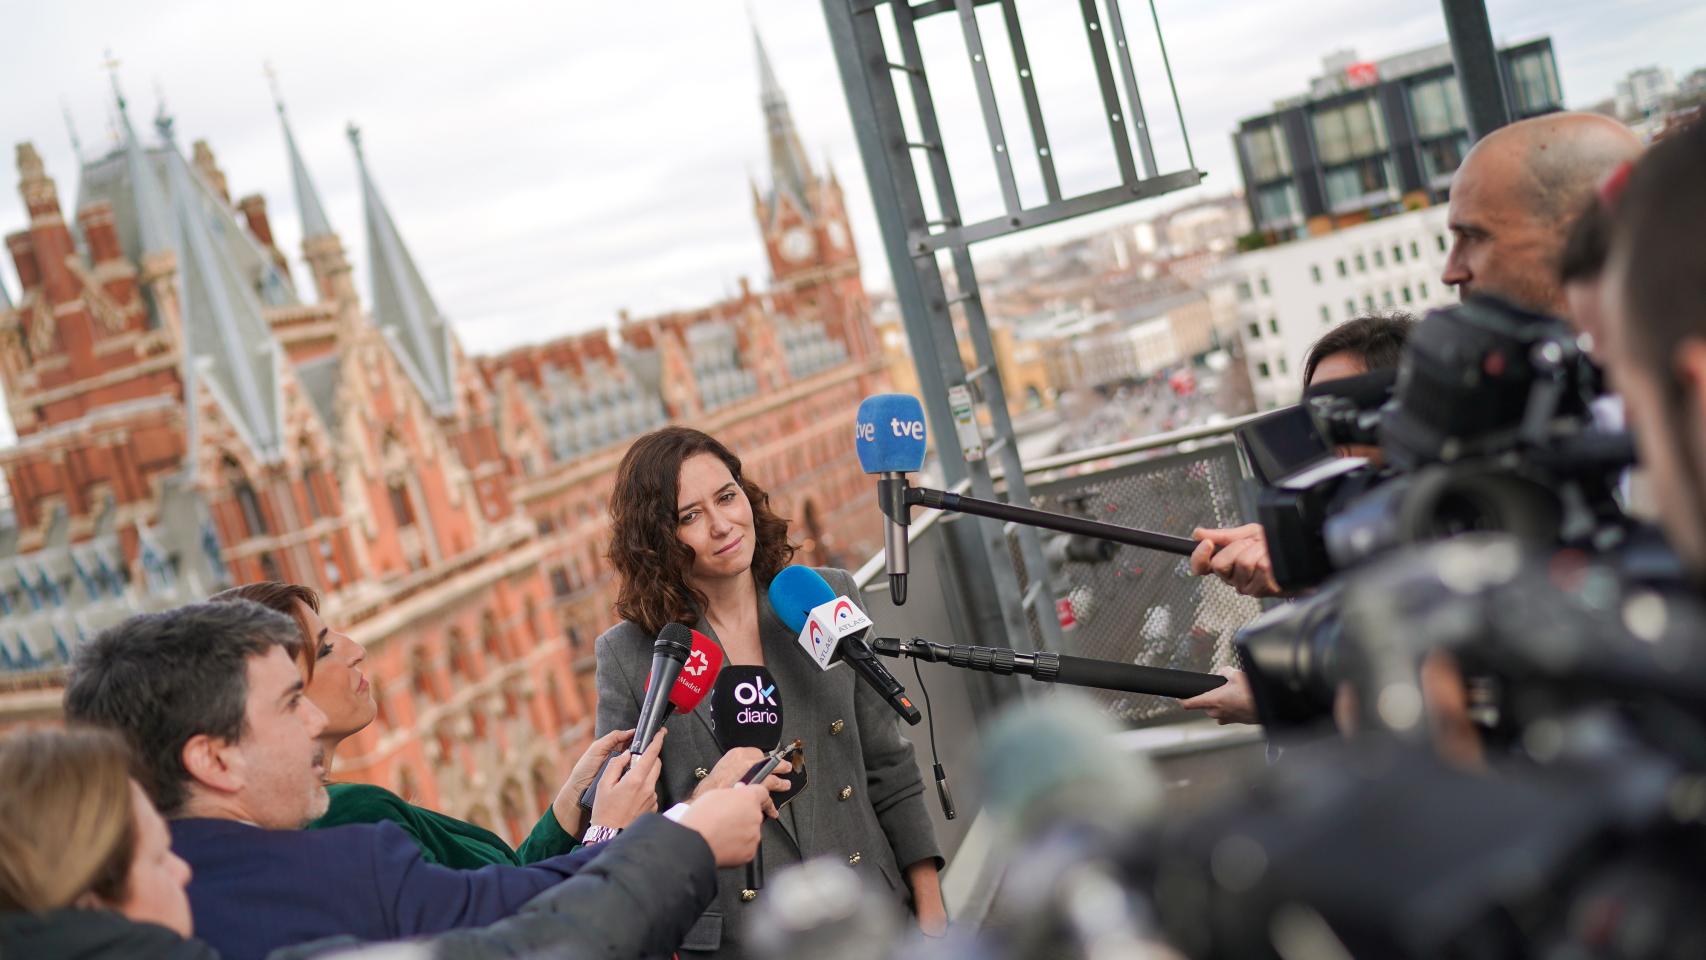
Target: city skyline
{"type": "Point", "coordinates": [549, 176]}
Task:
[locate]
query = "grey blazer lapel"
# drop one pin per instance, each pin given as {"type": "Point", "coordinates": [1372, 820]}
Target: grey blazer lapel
{"type": "Point", "coordinates": [704, 712]}
{"type": "Point", "coordinates": [796, 682]}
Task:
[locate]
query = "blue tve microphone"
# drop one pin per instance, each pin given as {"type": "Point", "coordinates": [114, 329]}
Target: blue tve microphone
{"type": "Point", "coordinates": [795, 593]}
{"type": "Point", "coordinates": [889, 436]}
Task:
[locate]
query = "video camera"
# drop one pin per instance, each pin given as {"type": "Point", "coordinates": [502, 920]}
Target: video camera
{"type": "Point", "coordinates": [1487, 428]}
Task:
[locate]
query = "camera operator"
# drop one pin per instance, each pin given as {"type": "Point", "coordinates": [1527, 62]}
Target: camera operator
{"type": "Point", "coordinates": [1654, 299]}
{"type": "Point", "coordinates": [1239, 555]}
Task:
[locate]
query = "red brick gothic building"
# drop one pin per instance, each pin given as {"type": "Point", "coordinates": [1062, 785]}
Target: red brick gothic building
{"type": "Point", "coordinates": [188, 418]}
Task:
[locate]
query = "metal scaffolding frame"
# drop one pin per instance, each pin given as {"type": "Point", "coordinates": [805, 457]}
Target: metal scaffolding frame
{"type": "Point", "coordinates": [913, 236]}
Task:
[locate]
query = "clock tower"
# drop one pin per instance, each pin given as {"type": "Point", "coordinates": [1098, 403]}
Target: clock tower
{"type": "Point", "coordinates": [814, 267]}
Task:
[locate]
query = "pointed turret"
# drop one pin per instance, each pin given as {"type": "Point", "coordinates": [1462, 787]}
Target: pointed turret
{"type": "Point", "coordinates": [790, 172]}
{"type": "Point", "coordinates": [308, 206]}
{"type": "Point", "coordinates": [321, 246]}
{"type": "Point", "coordinates": [222, 317]}
{"type": "Point", "coordinates": [402, 306]}
{"type": "Point", "coordinates": [153, 228]}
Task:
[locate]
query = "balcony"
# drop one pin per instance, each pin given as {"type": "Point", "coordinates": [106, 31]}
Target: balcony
{"type": "Point", "coordinates": [1141, 606]}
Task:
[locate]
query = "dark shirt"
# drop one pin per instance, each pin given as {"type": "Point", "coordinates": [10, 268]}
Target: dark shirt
{"type": "Point", "coordinates": [255, 890]}
{"type": "Point", "coordinates": [73, 934]}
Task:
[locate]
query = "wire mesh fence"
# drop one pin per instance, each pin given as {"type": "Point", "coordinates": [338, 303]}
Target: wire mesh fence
{"type": "Point", "coordinates": [1143, 606]}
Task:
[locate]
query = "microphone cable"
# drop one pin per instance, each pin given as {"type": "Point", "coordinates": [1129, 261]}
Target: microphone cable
{"type": "Point", "coordinates": [942, 792]}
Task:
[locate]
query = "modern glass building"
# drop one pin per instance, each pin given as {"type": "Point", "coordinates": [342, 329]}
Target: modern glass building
{"type": "Point", "coordinates": [1372, 138]}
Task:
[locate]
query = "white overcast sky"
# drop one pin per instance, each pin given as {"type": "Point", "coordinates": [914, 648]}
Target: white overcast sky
{"type": "Point", "coordinates": [550, 163]}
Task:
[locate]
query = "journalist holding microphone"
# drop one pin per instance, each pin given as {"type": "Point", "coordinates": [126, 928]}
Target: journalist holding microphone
{"type": "Point", "coordinates": [694, 541]}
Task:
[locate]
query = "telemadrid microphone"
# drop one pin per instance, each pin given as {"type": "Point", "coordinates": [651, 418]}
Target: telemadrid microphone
{"type": "Point", "coordinates": [1055, 668]}
{"type": "Point", "coordinates": [889, 436]}
{"type": "Point", "coordinates": [746, 712]}
{"type": "Point", "coordinates": [831, 628]}
{"type": "Point", "coordinates": [685, 664]}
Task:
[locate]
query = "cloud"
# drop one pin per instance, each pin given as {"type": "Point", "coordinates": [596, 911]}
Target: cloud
{"type": "Point", "coordinates": [549, 164]}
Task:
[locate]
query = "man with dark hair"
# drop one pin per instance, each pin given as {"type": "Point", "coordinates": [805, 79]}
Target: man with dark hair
{"type": "Point", "coordinates": [1654, 293]}
{"type": "Point", "coordinates": [211, 701]}
{"type": "Point", "coordinates": [179, 687]}
{"type": "Point", "coordinates": [1514, 197]}
{"type": "Point", "coordinates": [1358, 346]}
{"type": "Point", "coordinates": [1239, 555]}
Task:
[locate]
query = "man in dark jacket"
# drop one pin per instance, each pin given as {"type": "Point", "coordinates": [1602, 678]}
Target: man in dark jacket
{"type": "Point", "coordinates": [211, 701]}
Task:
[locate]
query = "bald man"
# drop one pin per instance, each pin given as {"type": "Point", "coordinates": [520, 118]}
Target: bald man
{"type": "Point", "coordinates": [1515, 196]}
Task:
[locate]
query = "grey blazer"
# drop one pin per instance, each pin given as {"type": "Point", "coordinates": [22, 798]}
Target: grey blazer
{"type": "Point", "coordinates": [864, 798]}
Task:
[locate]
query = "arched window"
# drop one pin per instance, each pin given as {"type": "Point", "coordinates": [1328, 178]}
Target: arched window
{"type": "Point", "coordinates": [510, 801]}
{"type": "Point", "coordinates": [554, 703]}
{"type": "Point", "coordinates": [420, 675]}
{"type": "Point", "coordinates": [248, 503]}
{"type": "Point", "coordinates": [461, 664]}
{"type": "Point", "coordinates": [401, 508]}
{"type": "Point", "coordinates": [531, 612]}
{"type": "Point", "coordinates": [381, 716]}
{"type": "Point", "coordinates": [542, 790]}
{"type": "Point", "coordinates": [492, 638]}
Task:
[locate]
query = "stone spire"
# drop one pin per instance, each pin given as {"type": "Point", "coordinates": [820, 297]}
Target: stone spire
{"type": "Point", "coordinates": [402, 306]}
{"type": "Point", "coordinates": [790, 172]}
{"type": "Point", "coordinates": [152, 225]}
{"type": "Point", "coordinates": [312, 212]}
{"type": "Point", "coordinates": [321, 246]}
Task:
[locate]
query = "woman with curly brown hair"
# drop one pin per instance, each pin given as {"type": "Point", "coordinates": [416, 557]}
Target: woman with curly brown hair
{"type": "Point", "coordinates": [695, 541]}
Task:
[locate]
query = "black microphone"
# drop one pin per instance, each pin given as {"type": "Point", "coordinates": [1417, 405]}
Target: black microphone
{"type": "Point", "coordinates": [747, 712]}
{"type": "Point", "coordinates": [669, 655]}
{"type": "Point", "coordinates": [1054, 668]}
{"type": "Point", "coordinates": [685, 664]}
{"type": "Point", "coordinates": [889, 436]}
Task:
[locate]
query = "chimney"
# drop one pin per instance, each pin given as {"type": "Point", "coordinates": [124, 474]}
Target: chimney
{"type": "Point", "coordinates": [254, 209]}
{"type": "Point", "coordinates": [209, 169]}
{"type": "Point", "coordinates": [50, 238]}
{"type": "Point", "coordinates": [98, 229]}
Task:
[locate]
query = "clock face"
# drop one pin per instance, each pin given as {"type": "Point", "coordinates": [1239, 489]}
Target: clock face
{"type": "Point", "coordinates": [796, 244]}
{"type": "Point", "coordinates": [838, 235]}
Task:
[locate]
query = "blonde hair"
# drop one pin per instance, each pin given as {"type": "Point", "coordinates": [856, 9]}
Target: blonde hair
{"type": "Point", "coordinates": [67, 820]}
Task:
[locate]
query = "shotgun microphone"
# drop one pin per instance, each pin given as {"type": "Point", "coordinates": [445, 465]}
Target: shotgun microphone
{"type": "Point", "coordinates": [1055, 668]}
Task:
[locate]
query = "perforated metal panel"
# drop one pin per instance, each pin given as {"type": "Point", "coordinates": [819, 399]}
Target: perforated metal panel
{"type": "Point", "coordinates": [1143, 606]}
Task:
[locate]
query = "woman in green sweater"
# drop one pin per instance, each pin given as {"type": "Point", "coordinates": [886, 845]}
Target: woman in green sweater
{"type": "Point", "coordinates": [335, 683]}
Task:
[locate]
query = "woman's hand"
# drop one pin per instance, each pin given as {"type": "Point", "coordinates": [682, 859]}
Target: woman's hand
{"type": "Point", "coordinates": [1231, 702]}
{"type": "Point", "coordinates": [567, 804]}
{"type": "Point", "coordinates": [1238, 556]}
{"type": "Point", "coordinates": [624, 796]}
{"type": "Point", "coordinates": [734, 765]}
{"type": "Point", "coordinates": [927, 903]}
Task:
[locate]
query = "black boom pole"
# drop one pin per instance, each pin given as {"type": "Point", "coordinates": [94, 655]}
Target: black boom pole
{"type": "Point", "coordinates": [1477, 60]}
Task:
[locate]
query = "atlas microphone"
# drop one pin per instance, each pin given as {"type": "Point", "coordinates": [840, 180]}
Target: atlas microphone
{"type": "Point", "coordinates": [1055, 668]}
{"type": "Point", "coordinates": [685, 664]}
{"type": "Point", "coordinates": [831, 629]}
{"type": "Point", "coordinates": [889, 436]}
